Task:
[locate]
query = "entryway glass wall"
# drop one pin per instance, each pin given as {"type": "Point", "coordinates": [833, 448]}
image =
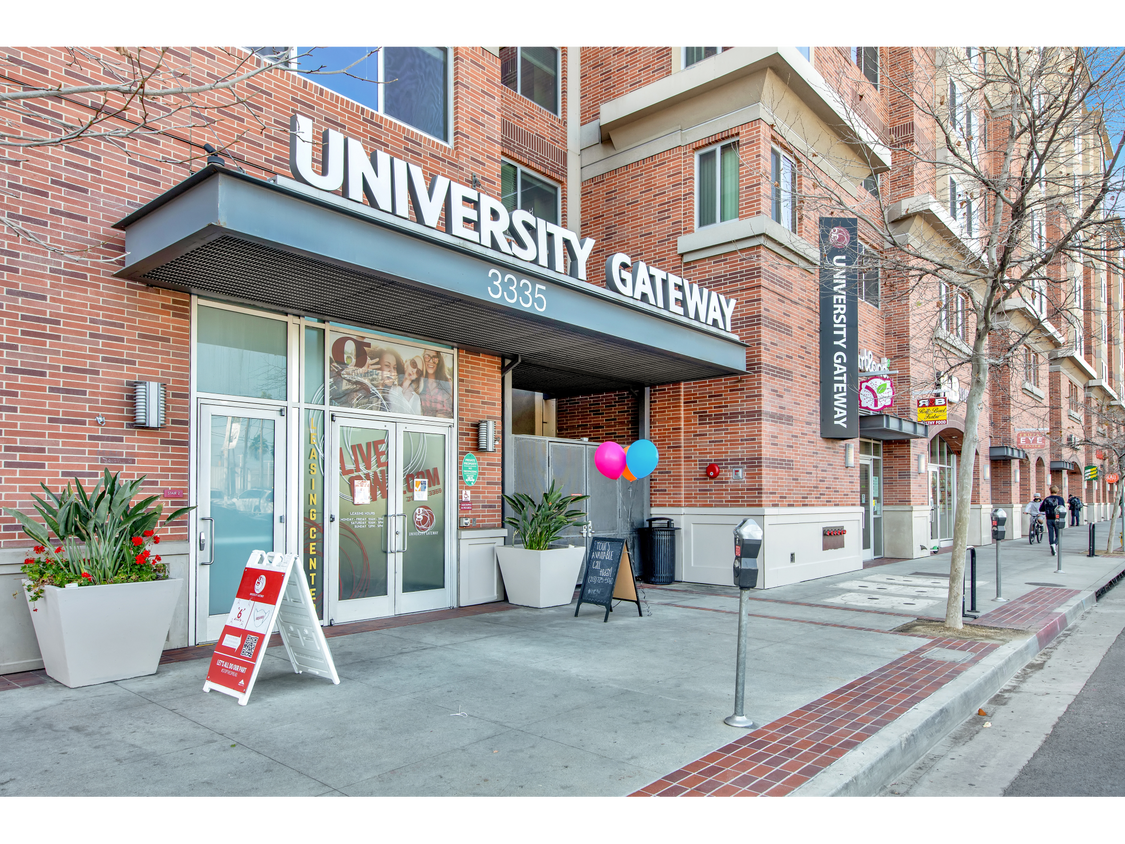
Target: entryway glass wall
{"type": "Point", "coordinates": [943, 482]}
{"type": "Point", "coordinates": [279, 405]}
{"type": "Point", "coordinates": [871, 496]}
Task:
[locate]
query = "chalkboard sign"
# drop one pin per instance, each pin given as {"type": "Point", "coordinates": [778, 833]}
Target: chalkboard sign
{"type": "Point", "coordinates": [606, 579]}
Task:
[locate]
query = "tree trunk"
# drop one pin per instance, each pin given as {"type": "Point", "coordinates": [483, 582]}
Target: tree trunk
{"type": "Point", "coordinates": [966, 468]}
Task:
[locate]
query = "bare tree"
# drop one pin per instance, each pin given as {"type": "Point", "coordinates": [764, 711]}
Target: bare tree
{"type": "Point", "coordinates": [131, 97]}
{"type": "Point", "coordinates": [1025, 182]}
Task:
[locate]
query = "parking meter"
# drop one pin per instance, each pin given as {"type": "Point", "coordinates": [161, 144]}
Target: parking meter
{"type": "Point", "coordinates": [747, 543]}
{"type": "Point", "coordinates": [999, 522]}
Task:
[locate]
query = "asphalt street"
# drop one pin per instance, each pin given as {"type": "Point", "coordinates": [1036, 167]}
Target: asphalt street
{"type": "Point", "coordinates": [1055, 729]}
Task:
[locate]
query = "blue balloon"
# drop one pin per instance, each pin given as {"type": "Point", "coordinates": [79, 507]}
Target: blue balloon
{"type": "Point", "coordinates": [641, 458]}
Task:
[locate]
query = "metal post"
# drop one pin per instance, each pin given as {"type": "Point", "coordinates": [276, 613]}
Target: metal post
{"type": "Point", "coordinates": [738, 719]}
{"type": "Point", "coordinates": [998, 598]}
{"type": "Point", "coordinates": [1058, 549]}
{"type": "Point", "coordinates": [1091, 532]}
{"type": "Point", "coordinates": [973, 568]}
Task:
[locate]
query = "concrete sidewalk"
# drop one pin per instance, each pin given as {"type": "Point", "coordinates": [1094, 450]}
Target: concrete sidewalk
{"type": "Point", "coordinates": [501, 700]}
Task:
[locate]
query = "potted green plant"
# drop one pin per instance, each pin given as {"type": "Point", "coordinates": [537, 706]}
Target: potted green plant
{"type": "Point", "coordinates": [100, 597]}
{"type": "Point", "coordinates": [535, 574]}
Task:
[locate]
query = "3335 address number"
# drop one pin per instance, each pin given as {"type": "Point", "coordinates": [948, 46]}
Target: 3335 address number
{"type": "Point", "coordinates": [517, 291]}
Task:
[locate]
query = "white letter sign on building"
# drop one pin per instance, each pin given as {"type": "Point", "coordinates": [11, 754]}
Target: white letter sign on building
{"type": "Point", "coordinates": [395, 186]}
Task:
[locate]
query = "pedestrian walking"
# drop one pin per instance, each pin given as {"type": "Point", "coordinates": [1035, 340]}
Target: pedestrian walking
{"type": "Point", "coordinates": [1054, 508]}
{"type": "Point", "coordinates": [1075, 505]}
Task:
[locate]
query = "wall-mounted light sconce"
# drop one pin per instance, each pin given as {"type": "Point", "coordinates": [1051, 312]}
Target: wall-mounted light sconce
{"type": "Point", "coordinates": [148, 404]}
{"type": "Point", "coordinates": [987, 470]}
{"type": "Point", "coordinates": [922, 464]}
{"type": "Point", "coordinates": [486, 435]}
{"type": "Point", "coordinates": [849, 455]}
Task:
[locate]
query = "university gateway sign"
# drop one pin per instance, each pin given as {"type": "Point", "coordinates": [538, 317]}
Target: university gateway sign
{"type": "Point", "coordinates": [839, 322]}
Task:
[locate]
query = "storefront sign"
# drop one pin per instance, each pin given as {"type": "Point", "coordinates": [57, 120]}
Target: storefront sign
{"type": "Point", "coordinates": [1030, 439]}
{"type": "Point", "coordinates": [1091, 473]}
{"type": "Point", "coordinates": [399, 187]}
{"type": "Point", "coordinates": [876, 393]}
{"type": "Point", "coordinates": [1112, 478]}
{"type": "Point", "coordinates": [395, 186]}
{"type": "Point", "coordinates": [933, 411]}
{"type": "Point", "coordinates": [839, 322]}
{"type": "Point", "coordinates": [469, 469]}
{"type": "Point", "coordinates": [369, 373]}
{"type": "Point", "coordinates": [667, 291]}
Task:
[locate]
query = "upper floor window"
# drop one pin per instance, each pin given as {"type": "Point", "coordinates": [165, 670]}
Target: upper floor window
{"type": "Point", "coordinates": [698, 54]}
{"type": "Point", "coordinates": [952, 314]}
{"type": "Point", "coordinates": [416, 81]}
{"type": "Point", "coordinates": [1030, 367]}
{"type": "Point", "coordinates": [522, 189]}
{"type": "Point", "coordinates": [533, 72]}
{"type": "Point", "coordinates": [871, 184]}
{"type": "Point", "coordinates": [784, 180]}
{"type": "Point", "coordinates": [716, 182]}
{"type": "Point", "coordinates": [1075, 401]}
{"type": "Point", "coordinates": [868, 275]}
{"type": "Point", "coordinates": [955, 105]}
{"type": "Point", "coordinates": [955, 199]}
{"type": "Point", "coordinates": [867, 60]}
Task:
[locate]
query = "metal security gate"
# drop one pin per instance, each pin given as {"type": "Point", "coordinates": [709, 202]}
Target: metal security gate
{"type": "Point", "coordinates": [614, 508]}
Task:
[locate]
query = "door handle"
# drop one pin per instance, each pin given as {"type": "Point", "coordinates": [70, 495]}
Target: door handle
{"type": "Point", "coordinates": [207, 541]}
{"type": "Point", "coordinates": [404, 534]}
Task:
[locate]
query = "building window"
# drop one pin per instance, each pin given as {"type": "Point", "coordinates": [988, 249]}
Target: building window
{"type": "Point", "coordinates": [784, 180]}
{"type": "Point", "coordinates": [523, 190]}
{"type": "Point", "coordinates": [1075, 403]}
{"type": "Point", "coordinates": [867, 60]}
{"type": "Point", "coordinates": [871, 184]}
{"type": "Point", "coordinates": [952, 313]}
{"type": "Point", "coordinates": [533, 72]}
{"type": "Point", "coordinates": [868, 275]}
{"type": "Point", "coordinates": [806, 52]}
{"type": "Point", "coordinates": [698, 54]}
{"type": "Point", "coordinates": [954, 106]}
{"type": "Point", "coordinates": [1030, 367]}
{"type": "Point", "coordinates": [962, 208]}
{"type": "Point", "coordinates": [716, 179]}
{"type": "Point", "coordinates": [416, 81]}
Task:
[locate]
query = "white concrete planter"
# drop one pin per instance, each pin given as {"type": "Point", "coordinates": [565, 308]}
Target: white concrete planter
{"type": "Point", "coordinates": [97, 634]}
{"type": "Point", "coordinates": [540, 578]}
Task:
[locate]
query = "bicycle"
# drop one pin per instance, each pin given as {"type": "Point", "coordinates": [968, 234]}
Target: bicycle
{"type": "Point", "coordinates": [1035, 532]}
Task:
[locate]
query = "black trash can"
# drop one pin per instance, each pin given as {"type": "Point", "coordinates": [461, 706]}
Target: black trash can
{"type": "Point", "coordinates": [657, 546]}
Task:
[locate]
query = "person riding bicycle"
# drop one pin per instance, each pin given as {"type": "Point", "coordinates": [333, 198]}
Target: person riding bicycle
{"type": "Point", "coordinates": [1054, 508]}
{"type": "Point", "coordinates": [1032, 510]}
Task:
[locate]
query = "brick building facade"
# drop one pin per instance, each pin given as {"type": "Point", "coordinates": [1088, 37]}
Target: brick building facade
{"type": "Point", "coordinates": [256, 291]}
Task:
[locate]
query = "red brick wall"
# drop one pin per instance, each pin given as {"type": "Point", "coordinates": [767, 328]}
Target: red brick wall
{"type": "Point", "coordinates": [73, 336]}
{"type": "Point", "coordinates": [479, 397]}
{"type": "Point", "coordinates": [602, 417]}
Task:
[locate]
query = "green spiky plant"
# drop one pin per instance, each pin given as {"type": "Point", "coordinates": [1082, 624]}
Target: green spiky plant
{"type": "Point", "coordinates": [539, 523]}
{"type": "Point", "coordinates": [100, 536]}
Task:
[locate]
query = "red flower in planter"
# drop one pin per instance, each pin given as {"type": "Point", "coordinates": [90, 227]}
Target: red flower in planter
{"type": "Point", "coordinates": [59, 550]}
{"type": "Point", "coordinates": [138, 541]}
{"type": "Point", "coordinates": [156, 539]}
{"type": "Point", "coordinates": [39, 549]}
{"type": "Point", "coordinates": [149, 532]}
{"type": "Point", "coordinates": [87, 575]}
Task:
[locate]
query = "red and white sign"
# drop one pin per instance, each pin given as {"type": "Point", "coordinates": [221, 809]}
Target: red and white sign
{"type": "Point", "coordinates": [1112, 478]}
{"type": "Point", "coordinates": [1031, 439]}
{"type": "Point", "coordinates": [269, 581]}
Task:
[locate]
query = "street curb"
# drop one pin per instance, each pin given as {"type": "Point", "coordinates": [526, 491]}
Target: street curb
{"type": "Point", "coordinates": [880, 759]}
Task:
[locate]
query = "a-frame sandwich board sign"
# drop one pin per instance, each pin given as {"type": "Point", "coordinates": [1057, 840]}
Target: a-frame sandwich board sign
{"type": "Point", "coordinates": [609, 576]}
{"type": "Point", "coordinates": [273, 589]}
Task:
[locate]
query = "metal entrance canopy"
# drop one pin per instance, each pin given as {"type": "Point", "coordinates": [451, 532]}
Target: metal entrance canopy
{"type": "Point", "coordinates": [226, 235]}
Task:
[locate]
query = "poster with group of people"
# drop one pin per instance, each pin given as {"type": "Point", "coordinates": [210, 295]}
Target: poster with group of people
{"type": "Point", "coordinates": [368, 374]}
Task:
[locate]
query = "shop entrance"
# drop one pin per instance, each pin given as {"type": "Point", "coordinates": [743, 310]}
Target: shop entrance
{"type": "Point", "coordinates": [241, 501]}
{"type": "Point", "coordinates": [389, 543]}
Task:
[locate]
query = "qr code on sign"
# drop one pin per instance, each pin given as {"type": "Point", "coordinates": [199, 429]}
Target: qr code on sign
{"type": "Point", "coordinates": [248, 646]}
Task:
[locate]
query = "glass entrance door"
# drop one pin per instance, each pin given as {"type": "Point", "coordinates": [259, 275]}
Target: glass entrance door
{"type": "Point", "coordinates": [241, 502]}
{"type": "Point", "coordinates": [865, 501]}
{"type": "Point", "coordinates": [388, 538]}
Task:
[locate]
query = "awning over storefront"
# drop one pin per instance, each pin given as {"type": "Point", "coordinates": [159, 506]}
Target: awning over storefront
{"type": "Point", "coordinates": [1006, 452]}
{"type": "Point", "coordinates": [1064, 466]}
{"type": "Point", "coordinates": [226, 235]}
{"type": "Point", "coordinates": [883, 426]}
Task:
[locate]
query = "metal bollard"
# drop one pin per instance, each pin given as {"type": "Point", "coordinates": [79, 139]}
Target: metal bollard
{"type": "Point", "coordinates": [972, 584]}
{"type": "Point", "coordinates": [998, 598]}
{"type": "Point", "coordinates": [1091, 553]}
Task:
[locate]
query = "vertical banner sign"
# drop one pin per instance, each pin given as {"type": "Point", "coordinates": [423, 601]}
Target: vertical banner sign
{"type": "Point", "coordinates": [839, 327]}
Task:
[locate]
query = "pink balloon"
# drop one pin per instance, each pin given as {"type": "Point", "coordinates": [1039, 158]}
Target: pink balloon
{"type": "Point", "coordinates": [610, 460]}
